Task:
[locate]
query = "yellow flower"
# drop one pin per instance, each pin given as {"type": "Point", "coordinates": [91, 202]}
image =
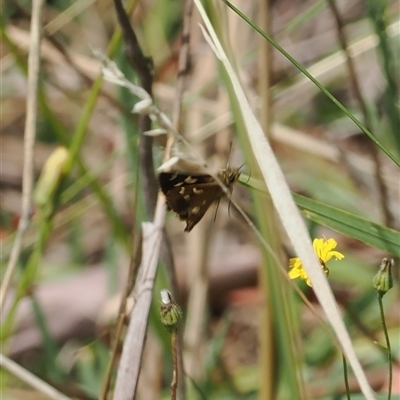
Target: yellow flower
{"type": "Point", "coordinates": [324, 249]}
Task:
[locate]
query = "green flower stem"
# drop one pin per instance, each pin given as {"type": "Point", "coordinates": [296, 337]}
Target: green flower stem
{"type": "Point", "coordinates": [170, 315]}
{"type": "Point", "coordinates": [388, 347]}
{"type": "Point", "coordinates": [174, 382]}
{"type": "Point", "coordinates": [346, 377]}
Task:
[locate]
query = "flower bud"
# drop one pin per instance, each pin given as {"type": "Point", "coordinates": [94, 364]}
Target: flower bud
{"type": "Point", "coordinates": [170, 311]}
{"type": "Point", "coordinates": [383, 280]}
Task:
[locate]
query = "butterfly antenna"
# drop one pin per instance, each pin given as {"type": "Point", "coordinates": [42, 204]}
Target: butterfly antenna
{"type": "Point", "coordinates": [249, 177]}
{"type": "Point", "coordinates": [229, 154]}
{"type": "Point", "coordinates": [230, 199]}
{"type": "Point", "coordinates": [216, 210]}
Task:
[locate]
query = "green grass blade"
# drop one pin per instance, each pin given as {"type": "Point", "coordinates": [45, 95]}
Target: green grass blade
{"type": "Point", "coordinates": [351, 225]}
{"type": "Point", "coordinates": [342, 221]}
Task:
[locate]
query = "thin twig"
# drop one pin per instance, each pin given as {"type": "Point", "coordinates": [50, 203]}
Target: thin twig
{"type": "Point", "coordinates": [29, 141]}
{"type": "Point", "coordinates": [30, 379]}
{"type": "Point", "coordinates": [388, 346]}
{"type": "Point", "coordinates": [382, 189]}
{"type": "Point", "coordinates": [184, 65]}
{"type": "Point", "coordinates": [183, 71]}
{"type": "Point", "coordinates": [175, 374]}
{"type": "Point", "coordinates": [144, 68]}
{"type": "Point", "coordinates": [184, 68]}
{"type": "Point", "coordinates": [346, 377]}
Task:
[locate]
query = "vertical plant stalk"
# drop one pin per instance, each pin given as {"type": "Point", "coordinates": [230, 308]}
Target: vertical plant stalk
{"type": "Point", "coordinates": [184, 69]}
{"type": "Point", "coordinates": [382, 190]}
{"type": "Point", "coordinates": [29, 142]}
{"type": "Point", "coordinates": [346, 377]}
{"type": "Point", "coordinates": [184, 66]}
{"type": "Point", "coordinates": [175, 373]}
{"type": "Point", "coordinates": [383, 282]}
{"type": "Point", "coordinates": [196, 304]}
{"type": "Point", "coordinates": [170, 315]}
{"type": "Point", "coordinates": [144, 68]}
{"type": "Point", "coordinates": [388, 347]}
{"type": "Point", "coordinates": [266, 331]}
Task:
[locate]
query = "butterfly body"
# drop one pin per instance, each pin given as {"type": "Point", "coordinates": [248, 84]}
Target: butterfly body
{"type": "Point", "coordinates": [190, 195]}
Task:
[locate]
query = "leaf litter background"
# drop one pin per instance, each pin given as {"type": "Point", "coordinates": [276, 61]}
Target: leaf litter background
{"type": "Point", "coordinates": [323, 155]}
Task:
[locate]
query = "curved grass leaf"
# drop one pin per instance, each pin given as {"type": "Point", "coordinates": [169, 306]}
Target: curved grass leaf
{"type": "Point", "coordinates": [352, 225]}
{"type": "Point", "coordinates": [349, 224]}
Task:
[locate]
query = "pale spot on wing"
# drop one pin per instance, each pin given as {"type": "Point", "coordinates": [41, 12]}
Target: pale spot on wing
{"type": "Point", "coordinates": [178, 184]}
{"type": "Point", "coordinates": [187, 197]}
{"type": "Point", "coordinates": [197, 191]}
{"type": "Point", "coordinates": [182, 191]}
{"type": "Point", "coordinates": [195, 210]}
{"type": "Point", "coordinates": [190, 179]}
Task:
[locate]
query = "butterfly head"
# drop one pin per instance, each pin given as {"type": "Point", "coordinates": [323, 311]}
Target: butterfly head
{"type": "Point", "coordinates": [230, 175]}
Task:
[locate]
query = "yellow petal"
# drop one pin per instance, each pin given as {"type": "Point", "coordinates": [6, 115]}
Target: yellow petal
{"type": "Point", "coordinates": [335, 254]}
{"type": "Point", "coordinates": [327, 247]}
{"type": "Point", "coordinates": [317, 245]}
{"type": "Point", "coordinates": [295, 262]}
{"type": "Point", "coordinates": [294, 273]}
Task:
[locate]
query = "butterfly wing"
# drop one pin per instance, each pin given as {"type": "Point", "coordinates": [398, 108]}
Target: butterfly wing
{"type": "Point", "coordinates": [201, 197]}
{"type": "Point", "coordinates": [189, 196]}
{"type": "Point", "coordinates": [169, 180]}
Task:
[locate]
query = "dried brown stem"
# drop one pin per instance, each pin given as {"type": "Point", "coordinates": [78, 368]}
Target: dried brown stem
{"type": "Point", "coordinates": [175, 374]}
{"type": "Point", "coordinates": [184, 67]}
{"type": "Point", "coordinates": [144, 68]}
